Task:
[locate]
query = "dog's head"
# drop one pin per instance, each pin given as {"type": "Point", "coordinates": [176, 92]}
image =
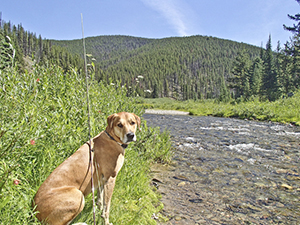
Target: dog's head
{"type": "Point", "coordinates": [123, 125]}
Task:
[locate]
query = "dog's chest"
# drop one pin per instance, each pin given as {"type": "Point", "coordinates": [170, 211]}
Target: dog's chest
{"type": "Point", "coordinates": [120, 162]}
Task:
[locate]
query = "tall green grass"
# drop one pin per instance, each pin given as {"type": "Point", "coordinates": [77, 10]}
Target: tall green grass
{"type": "Point", "coordinates": [44, 120]}
{"type": "Point", "coordinates": [285, 110]}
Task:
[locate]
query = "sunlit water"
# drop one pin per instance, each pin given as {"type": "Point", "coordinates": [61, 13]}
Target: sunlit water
{"type": "Point", "coordinates": [230, 171]}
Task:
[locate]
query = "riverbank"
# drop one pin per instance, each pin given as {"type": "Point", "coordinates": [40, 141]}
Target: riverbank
{"type": "Point", "coordinates": [285, 110]}
{"type": "Point", "coordinates": [165, 112]}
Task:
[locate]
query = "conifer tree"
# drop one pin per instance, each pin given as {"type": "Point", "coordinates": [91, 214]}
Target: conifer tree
{"type": "Point", "coordinates": [224, 93]}
{"type": "Point", "coordinates": [240, 80]}
{"type": "Point", "coordinates": [291, 78]}
{"type": "Point", "coordinates": [269, 81]}
{"type": "Point", "coordinates": [296, 27]}
{"type": "Point", "coordinates": [40, 57]}
{"type": "Point", "coordinates": [256, 76]}
{"type": "Point", "coordinates": [285, 71]}
{"type": "Point", "coordinates": [295, 62]}
{"type": "Point", "coordinates": [155, 90]}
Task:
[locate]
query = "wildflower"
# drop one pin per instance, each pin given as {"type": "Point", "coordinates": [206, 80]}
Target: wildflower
{"type": "Point", "coordinates": [8, 38]}
{"type": "Point", "coordinates": [37, 80]}
{"type": "Point", "coordinates": [32, 142]}
{"type": "Point", "coordinates": [16, 182]}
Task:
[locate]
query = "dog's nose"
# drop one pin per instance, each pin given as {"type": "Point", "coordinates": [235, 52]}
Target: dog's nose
{"type": "Point", "coordinates": [130, 136]}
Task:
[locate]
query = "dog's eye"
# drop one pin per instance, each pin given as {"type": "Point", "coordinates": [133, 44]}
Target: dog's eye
{"type": "Point", "coordinates": [120, 125]}
{"type": "Point", "coordinates": [132, 123]}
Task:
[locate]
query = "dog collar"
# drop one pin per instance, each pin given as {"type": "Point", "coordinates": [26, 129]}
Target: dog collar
{"type": "Point", "coordinates": [123, 145]}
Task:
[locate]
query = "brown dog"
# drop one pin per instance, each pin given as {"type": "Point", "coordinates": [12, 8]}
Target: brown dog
{"type": "Point", "coordinates": [61, 197]}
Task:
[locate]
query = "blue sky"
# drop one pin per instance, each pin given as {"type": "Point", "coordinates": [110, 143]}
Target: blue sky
{"type": "Point", "coordinates": [248, 21]}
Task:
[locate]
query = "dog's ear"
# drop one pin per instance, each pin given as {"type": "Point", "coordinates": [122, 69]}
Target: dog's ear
{"type": "Point", "coordinates": [110, 121]}
{"type": "Point", "coordinates": [138, 121]}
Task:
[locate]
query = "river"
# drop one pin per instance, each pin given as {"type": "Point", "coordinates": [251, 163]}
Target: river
{"type": "Point", "coordinates": [229, 171]}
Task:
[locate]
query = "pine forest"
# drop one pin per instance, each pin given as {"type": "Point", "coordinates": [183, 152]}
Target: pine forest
{"type": "Point", "coordinates": [195, 67]}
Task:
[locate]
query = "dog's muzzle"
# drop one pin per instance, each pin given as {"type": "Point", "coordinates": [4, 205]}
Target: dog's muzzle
{"type": "Point", "coordinates": [130, 136]}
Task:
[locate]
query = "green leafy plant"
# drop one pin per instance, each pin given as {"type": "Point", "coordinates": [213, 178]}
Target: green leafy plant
{"type": "Point", "coordinates": [43, 120]}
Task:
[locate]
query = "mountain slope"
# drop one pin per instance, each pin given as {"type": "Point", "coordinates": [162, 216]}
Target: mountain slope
{"type": "Point", "coordinates": [180, 67]}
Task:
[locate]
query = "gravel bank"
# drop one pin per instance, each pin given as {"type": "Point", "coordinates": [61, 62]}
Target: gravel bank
{"type": "Point", "coordinates": [165, 112]}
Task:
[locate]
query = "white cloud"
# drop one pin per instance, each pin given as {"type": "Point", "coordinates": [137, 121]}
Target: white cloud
{"type": "Point", "coordinates": [171, 11]}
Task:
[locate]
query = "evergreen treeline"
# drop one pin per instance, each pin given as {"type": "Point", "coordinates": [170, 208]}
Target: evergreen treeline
{"type": "Point", "coordinates": [195, 67]}
{"type": "Point", "coordinates": [28, 48]}
{"type": "Point", "coordinates": [272, 75]}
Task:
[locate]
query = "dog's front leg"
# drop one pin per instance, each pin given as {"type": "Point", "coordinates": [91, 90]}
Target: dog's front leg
{"type": "Point", "coordinates": [108, 191]}
{"type": "Point", "coordinates": [100, 199]}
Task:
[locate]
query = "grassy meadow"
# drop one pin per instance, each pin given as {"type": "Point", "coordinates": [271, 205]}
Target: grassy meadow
{"type": "Point", "coordinates": [43, 120]}
{"type": "Point", "coordinates": [285, 110]}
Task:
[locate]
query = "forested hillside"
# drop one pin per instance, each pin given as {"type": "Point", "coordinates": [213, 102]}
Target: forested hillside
{"type": "Point", "coordinates": [26, 49]}
{"type": "Point", "coordinates": [195, 67]}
